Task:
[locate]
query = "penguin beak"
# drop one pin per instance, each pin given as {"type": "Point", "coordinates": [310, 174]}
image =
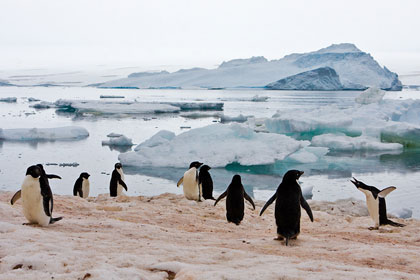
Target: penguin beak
{"type": "Point", "coordinates": [355, 182]}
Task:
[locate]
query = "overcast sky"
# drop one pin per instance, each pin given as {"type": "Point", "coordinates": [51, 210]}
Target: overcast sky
{"type": "Point", "coordinates": [50, 33]}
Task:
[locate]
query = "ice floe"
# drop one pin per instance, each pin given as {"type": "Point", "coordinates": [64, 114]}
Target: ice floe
{"type": "Point", "coordinates": [118, 140]}
{"type": "Point", "coordinates": [8, 99]}
{"type": "Point", "coordinates": [217, 145]}
{"type": "Point", "coordinates": [44, 134]}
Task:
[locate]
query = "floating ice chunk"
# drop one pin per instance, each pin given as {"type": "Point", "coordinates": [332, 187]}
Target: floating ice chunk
{"type": "Point", "coordinates": [32, 99]}
{"type": "Point", "coordinates": [44, 134]}
{"type": "Point", "coordinates": [316, 121]}
{"type": "Point", "coordinates": [198, 115]}
{"type": "Point", "coordinates": [112, 96]}
{"type": "Point", "coordinates": [402, 213]}
{"type": "Point", "coordinates": [217, 145]}
{"type": "Point", "coordinates": [112, 134]}
{"type": "Point", "coordinates": [371, 95]}
{"type": "Point", "coordinates": [43, 105]}
{"type": "Point", "coordinates": [240, 119]}
{"type": "Point", "coordinates": [121, 140]}
{"type": "Point", "coordinates": [257, 98]}
{"type": "Point", "coordinates": [308, 155]}
{"type": "Point", "coordinates": [343, 142]}
{"type": "Point", "coordinates": [203, 106]}
{"type": "Point", "coordinates": [69, 164]}
{"type": "Point", "coordinates": [8, 99]}
{"type": "Point", "coordinates": [161, 138]}
{"type": "Point", "coordinates": [115, 107]}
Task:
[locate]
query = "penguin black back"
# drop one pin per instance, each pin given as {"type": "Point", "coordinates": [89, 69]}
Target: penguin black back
{"type": "Point", "coordinates": [235, 194]}
{"type": "Point", "coordinates": [206, 182]}
{"type": "Point", "coordinates": [287, 212]}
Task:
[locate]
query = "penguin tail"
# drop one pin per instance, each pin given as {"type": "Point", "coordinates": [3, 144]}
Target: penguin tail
{"type": "Point", "coordinates": [394, 224]}
{"type": "Point", "coordinates": [287, 240]}
{"type": "Point", "coordinates": [53, 220]}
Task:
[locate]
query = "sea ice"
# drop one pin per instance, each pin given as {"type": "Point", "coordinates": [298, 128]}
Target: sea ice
{"type": "Point", "coordinates": [44, 134]}
{"type": "Point", "coordinates": [371, 95]}
{"type": "Point", "coordinates": [217, 145]}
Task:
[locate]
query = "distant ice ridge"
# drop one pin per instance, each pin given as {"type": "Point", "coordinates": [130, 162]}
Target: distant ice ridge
{"type": "Point", "coordinates": [217, 145]}
{"type": "Point", "coordinates": [132, 107]}
{"type": "Point", "coordinates": [354, 69]}
{"type": "Point", "coordinates": [44, 134]}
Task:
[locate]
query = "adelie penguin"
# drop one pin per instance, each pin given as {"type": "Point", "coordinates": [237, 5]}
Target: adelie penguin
{"type": "Point", "coordinates": [82, 185]}
{"type": "Point", "coordinates": [375, 200]}
{"type": "Point", "coordinates": [117, 183]}
{"type": "Point", "coordinates": [205, 182]}
{"type": "Point", "coordinates": [37, 198]}
{"type": "Point", "coordinates": [190, 181]}
{"type": "Point", "coordinates": [289, 199]}
{"type": "Point", "coordinates": [235, 194]}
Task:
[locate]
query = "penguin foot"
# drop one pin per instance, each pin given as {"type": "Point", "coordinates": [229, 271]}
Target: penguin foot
{"type": "Point", "coordinates": [28, 224]}
{"type": "Point", "coordinates": [373, 228]}
{"type": "Point", "coordinates": [278, 238]}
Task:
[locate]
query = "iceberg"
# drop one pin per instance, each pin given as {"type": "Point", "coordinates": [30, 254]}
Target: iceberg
{"type": "Point", "coordinates": [324, 78]}
{"type": "Point", "coordinates": [217, 145]}
{"type": "Point", "coordinates": [44, 134]}
{"type": "Point", "coordinates": [356, 70]}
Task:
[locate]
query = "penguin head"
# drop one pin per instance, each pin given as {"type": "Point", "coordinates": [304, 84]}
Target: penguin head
{"type": "Point", "coordinates": [41, 167]}
{"type": "Point", "coordinates": [205, 168]}
{"type": "Point", "coordinates": [84, 175]}
{"type": "Point", "coordinates": [292, 175]}
{"type": "Point", "coordinates": [118, 165]}
{"type": "Point", "coordinates": [236, 180]}
{"type": "Point", "coordinates": [195, 164]}
{"type": "Point", "coordinates": [359, 184]}
{"type": "Point", "coordinates": [34, 171]}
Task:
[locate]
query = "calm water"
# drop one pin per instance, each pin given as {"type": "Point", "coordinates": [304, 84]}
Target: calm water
{"type": "Point", "coordinates": [330, 180]}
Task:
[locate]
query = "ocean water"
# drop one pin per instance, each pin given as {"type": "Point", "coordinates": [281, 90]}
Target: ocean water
{"type": "Point", "coordinates": [329, 181]}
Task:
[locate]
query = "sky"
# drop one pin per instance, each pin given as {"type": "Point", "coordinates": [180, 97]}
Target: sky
{"type": "Point", "coordinates": [184, 33]}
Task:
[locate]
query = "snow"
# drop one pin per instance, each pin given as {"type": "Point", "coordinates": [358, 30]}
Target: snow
{"type": "Point", "coordinates": [44, 134]}
{"type": "Point", "coordinates": [167, 237]}
{"type": "Point", "coordinates": [8, 99]}
{"type": "Point", "coordinates": [371, 95]}
{"type": "Point", "coordinates": [120, 140]}
{"type": "Point", "coordinates": [356, 69]}
{"type": "Point", "coordinates": [217, 145]}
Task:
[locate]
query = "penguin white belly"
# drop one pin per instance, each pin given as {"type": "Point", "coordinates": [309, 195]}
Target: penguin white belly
{"type": "Point", "coordinates": [373, 207]}
{"type": "Point", "coordinates": [120, 187]}
{"type": "Point", "coordinates": [85, 188]}
{"type": "Point", "coordinates": [190, 184]}
{"type": "Point", "coordinates": [32, 202]}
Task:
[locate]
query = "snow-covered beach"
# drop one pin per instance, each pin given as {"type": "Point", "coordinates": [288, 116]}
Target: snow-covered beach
{"type": "Point", "coordinates": [169, 237]}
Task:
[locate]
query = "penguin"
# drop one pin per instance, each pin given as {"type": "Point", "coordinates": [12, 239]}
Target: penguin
{"type": "Point", "coordinates": [375, 200]}
{"type": "Point", "coordinates": [117, 183]}
{"type": "Point", "coordinates": [289, 199]}
{"type": "Point", "coordinates": [37, 198]}
{"type": "Point", "coordinates": [81, 186]}
{"type": "Point", "coordinates": [192, 189]}
{"type": "Point", "coordinates": [235, 194]}
{"type": "Point", "coordinates": [205, 182]}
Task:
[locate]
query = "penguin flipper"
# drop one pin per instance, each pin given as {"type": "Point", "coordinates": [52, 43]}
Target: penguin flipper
{"type": "Point", "coordinates": [386, 191]}
{"type": "Point", "coordinates": [48, 205]}
{"type": "Point", "coordinates": [52, 176]}
{"type": "Point", "coordinates": [16, 197]}
{"type": "Point", "coordinates": [220, 197]}
{"type": "Point", "coordinates": [271, 200]}
{"type": "Point", "coordinates": [307, 208]}
{"type": "Point", "coordinates": [180, 181]}
{"type": "Point", "coordinates": [122, 183]}
{"type": "Point", "coordinates": [247, 197]}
